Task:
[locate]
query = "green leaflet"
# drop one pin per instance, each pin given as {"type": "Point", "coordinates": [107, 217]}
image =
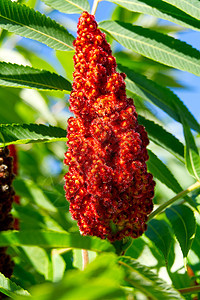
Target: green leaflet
{"type": "Point", "coordinates": [163, 138]}
{"type": "Point", "coordinates": [161, 9]}
{"type": "Point", "coordinates": [30, 133]}
{"type": "Point", "coordinates": [155, 45]}
{"type": "Point", "coordinates": [163, 97]}
{"type": "Point", "coordinates": [11, 289]}
{"type": "Point", "coordinates": [24, 76]}
{"type": "Point", "coordinates": [54, 239]}
{"type": "Point", "coordinates": [192, 157]}
{"type": "Point", "coordinates": [100, 280]}
{"type": "Point", "coordinates": [158, 232]}
{"type": "Point", "coordinates": [147, 282]}
{"type": "Point", "coordinates": [27, 22]}
{"type": "Point", "coordinates": [69, 6]}
{"type": "Point", "coordinates": [191, 7]}
{"type": "Point", "coordinates": [183, 223]}
{"type": "Point", "coordinates": [162, 173]}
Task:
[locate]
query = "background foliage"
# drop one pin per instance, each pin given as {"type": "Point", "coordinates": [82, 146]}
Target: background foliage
{"type": "Point", "coordinates": [35, 83]}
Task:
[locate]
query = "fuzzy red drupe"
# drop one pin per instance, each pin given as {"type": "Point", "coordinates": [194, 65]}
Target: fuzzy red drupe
{"type": "Point", "coordinates": [108, 186]}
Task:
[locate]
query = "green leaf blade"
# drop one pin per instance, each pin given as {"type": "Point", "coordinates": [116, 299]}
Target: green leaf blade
{"type": "Point", "coordinates": [162, 173]}
{"type": "Point", "coordinates": [162, 97]}
{"type": "Point", "coordinates": [163, 138]}
{"type": "Point", "coordinates": [141, 278]}
{"type": "Point", "coordinates": [68, 6]}
{"type": "Point", "coordinates": [154, 45]}
{"type": "Point", "coordinates": [161, 9]}
{"type": "Point", "coordinates": [14, 75]}
{"type": "Point", "coordinates": [30, 133]}
{"type": "Point", "coordinates": [11, 289]}
{"type": "Point", "coordinates": [192, 157]}
{"type": "Point", "coordinates": [191, 7]}
{"type": "Point", "coordinates": [26, 22]}
{"type": "Point", "coordinates": [183, 223]}
{"type": "Point", "coordinates": [54, 239]}
{"type": "Point", "coordinates": [158, 232]}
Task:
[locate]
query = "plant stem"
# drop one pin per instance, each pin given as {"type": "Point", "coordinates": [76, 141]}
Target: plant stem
{"type": "Point", "coordinates": [191, 188]}
{"type": "Point", "coordinates": [190, 290]}
{"type": "Point", "coordinates": [85, 258]}
{"type": "Point", "coordinates": [94, 7]}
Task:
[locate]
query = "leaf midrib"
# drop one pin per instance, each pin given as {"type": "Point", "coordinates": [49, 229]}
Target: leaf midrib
{"type": "Point", "coordinates": [188, 3]}
{"type": "Point", "coordinates": [30, 82]}
{"type": "Point", "coordinates": [149, 45]}
{"type": "Point", "coordinates": [33, 29]}
{"type": "Point", "coordinates": [74, 4]}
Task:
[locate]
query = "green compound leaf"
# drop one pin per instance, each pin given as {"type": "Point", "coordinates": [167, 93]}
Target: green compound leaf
{"type": "Point", "coordinates": [158, 232]}
{"type": "Point", "coordinates": [160, 9]}
{"type": "Point", "coordinates": [11, 289]}
{"type": "Point", "coordinates": [99, 280]}
{"type": "Point", "coordinates": [164, 98]}
{"type": "Point", "coordinates": [183, 223]}
{"type": "Point", "coordinates": [162, 173]}
{"type": "Point", "coordinates": [30, 133]}
{"type": "Point", "coordinates": [163, 138]}
{"type": "Point", "coordinates": [192, 157]}
{"type": "Point", "coordinates": [69, 6]}
{"type": "Point", "coordinates": [25, 21]}
{"type": "Point", "coordinates": [190, 7]}
{"type": "Point", "coordinates": [147, 282]}
{"type": "Point", "coordinates": [54, 239]}
{"type": "Point", "coordinates": [23, 76]}
{"type": "Point", "coordinates": [155, 45]}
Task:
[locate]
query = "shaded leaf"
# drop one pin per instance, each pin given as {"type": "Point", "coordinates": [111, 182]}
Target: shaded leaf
{"type": "Point", "coordinates": [27, 22]}
{"type": "Point", "coordinates": [100, 280]}
{"type": "Point", "coordinates": [163, 97]}
{"type": "Point", "coordinates": [53, 239]}
{"type": "Point", "coordinates": [191, 7]}
{"type": "Point", "coordinates": [23, 76]}
{"type": "Point", "coordinates": [192, 157]}
{"type": "Point", "coordinates": [183, 223]}
{"type": "Point", "coordinates": [160, 9]}
{"type": "Point", "coordinates": [147, 282]}
{"type": "Point", "coordinates": [158, 232]}
{"type": "Point", "coordinates": [30, 133]}
{"type": "Point", "coordinates": [162, 173]}
{"type": "Point", "coordinates": [69, 6]}
{"type": "Point", "coordinates": [163, 138]}
{"type": "Point", "coordinates": [154, 45]}
{"type": "Point", "coordinates": [10, 288]}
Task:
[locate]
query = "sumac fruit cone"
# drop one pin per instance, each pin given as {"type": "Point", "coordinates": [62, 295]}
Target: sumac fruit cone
{"type": "Point", "coordinates": [6, 199]}
{"type": "Point", "coordinates": [108, 186]}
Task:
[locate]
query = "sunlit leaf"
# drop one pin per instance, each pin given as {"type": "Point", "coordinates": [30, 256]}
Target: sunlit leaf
{"type": "Point", "coordinates": [23, 76]}
{"type": "Point", "coordinates": [161, 9]}
{"type": "Point", "coordinates": [30, 133]}
{"type": "Point", "coordinates": [191, 7]}
{"type": "Point", "coordinates": [154, 45]}
{"type": "Point", "coordinates": [27, 22]}
{"type": "Point", "coordinates": [147, 282]}
{"type": "Point", "coordinates": [10, 288]}
{"type": "Point", "coordinates": [53, 239]}
{"type": "Point", "coordinates": [69, 6]}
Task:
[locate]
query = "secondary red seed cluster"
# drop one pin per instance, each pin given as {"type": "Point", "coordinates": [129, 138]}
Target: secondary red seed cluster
{"type": "Point", "coordinates": [6, 200]}
{"type": "Point", "coordinates": [107, 185]}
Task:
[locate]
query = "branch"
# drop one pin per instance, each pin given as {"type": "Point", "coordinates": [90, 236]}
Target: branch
{"type": "Point", "coordinates": [193, 187]}
{"type": "Point", "coordinates": [85, 258]}
{"type": "Point", "coordinates": [190, 290]}
{"type": "Point", "coordinates": [94, 7]}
